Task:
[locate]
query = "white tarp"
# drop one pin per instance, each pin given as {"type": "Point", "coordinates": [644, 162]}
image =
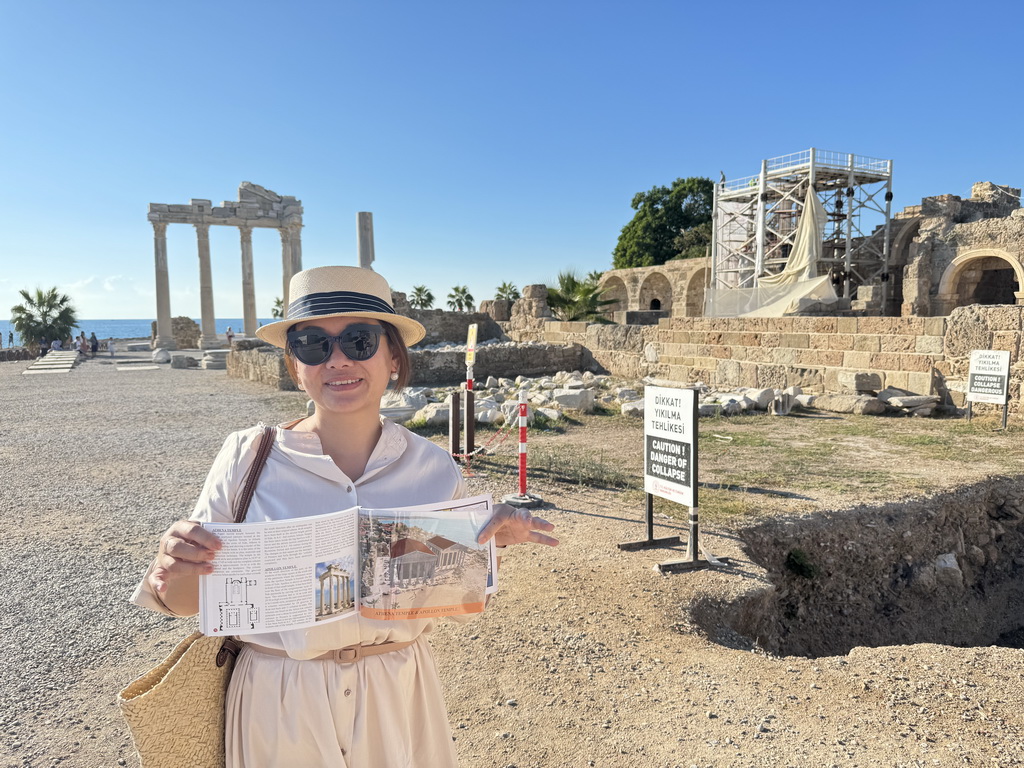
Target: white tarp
{"type": "Point", "coordinates": [810, 231]}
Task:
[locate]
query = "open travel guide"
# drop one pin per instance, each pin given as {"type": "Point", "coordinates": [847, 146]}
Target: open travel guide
{"type": "Point", "coordinates": [403, 563]}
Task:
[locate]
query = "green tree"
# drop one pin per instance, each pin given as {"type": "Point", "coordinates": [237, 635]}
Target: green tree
{"type": "Point", "coordinates": [422, 298]}
{"type": "Point", "coordinates": [576, 299]}
{"type": "Point", "coordinates": [278, 311]}
{"type": "Point", "coordinates": [507, 291]}
{"type": "Point", "coordinates": [670, 223]}
{"type": "Point", "coordinates": [460, 299]}
{"type": "Point", "coordinates": [43, 315]}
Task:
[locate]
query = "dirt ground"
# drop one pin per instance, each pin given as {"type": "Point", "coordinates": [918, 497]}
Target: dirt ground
{"type": "Point", "coordinates": [588, 657]}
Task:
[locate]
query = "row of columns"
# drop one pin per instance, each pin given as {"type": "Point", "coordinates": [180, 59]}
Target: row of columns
{"type": "Point", "coordinates": [291, 262]}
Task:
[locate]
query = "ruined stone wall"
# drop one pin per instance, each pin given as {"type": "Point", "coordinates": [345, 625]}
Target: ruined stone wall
{"type": "Point", "coordinates": [16, 353]}
{"type": "Point", "coordinates": [809, 352]}
{"type": "Point", "coordinates": [258, 361]}
{"type": "Point", "coordinates": [979, 327]}
{"type": "Point", "coordinates": [434, 367]}
{"type": "Point", "coordinates": [185, 331]}
{"type": "Point", "coordinates": [453, 327]}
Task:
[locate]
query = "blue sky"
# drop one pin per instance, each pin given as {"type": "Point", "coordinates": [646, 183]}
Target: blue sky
{"type": "Point", "coordinates": [492, 141]}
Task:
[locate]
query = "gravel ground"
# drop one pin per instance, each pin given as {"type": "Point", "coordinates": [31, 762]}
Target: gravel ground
{"type": "Point", "coordinates": [583, 659]}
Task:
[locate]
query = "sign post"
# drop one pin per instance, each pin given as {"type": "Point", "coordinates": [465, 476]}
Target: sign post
{"type": "Point", "coordinates": [670, 468]}
{"type": "Point", "coordinates": [988, 380]}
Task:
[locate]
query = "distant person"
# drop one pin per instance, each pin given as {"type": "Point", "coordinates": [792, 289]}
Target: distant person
{"type": "Point", "coordinates": [230, 334]}
{"type": "Point", "coordinates": [111, 347]}
{"type": "Point", "coordinates": [43, 347]}
{"type": "Point", "coordinates": [56, 345]}
{"type": "Point", "coordinates": [94, 343]}
{"type": "Point", "coordinates": [78, 345]}
{"type": "Point", "coordinates": [10, 338]}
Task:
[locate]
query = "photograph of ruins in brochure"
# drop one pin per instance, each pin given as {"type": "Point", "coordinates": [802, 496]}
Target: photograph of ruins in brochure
{"type": "Point", "coordinates": [420, 563]}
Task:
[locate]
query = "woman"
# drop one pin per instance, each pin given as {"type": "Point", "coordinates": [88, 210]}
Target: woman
{"type": "Point", "coordinates": [286, 706]}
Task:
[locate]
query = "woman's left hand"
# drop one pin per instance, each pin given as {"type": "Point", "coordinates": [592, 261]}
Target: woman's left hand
{"type": "Point", "coordinates": [509, 525]}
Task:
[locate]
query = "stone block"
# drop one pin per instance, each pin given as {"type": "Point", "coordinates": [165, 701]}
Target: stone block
{"type": "Point", "coordinates": [928, 345]}
{"type": "Point", "coordinates": [859, 381]}
{"type": "Point", "coordinates": [897, 343]}
{"type": "Point", "coordinates": [934, 326]}
{"type": "Point", "coordinates": [886, 361]}
{"type": "Point", "coordinates": [633, 408]}
{"type": "Point", "coordinates": [574, 399]}
{"type": "Point", "coordinates": [841, 341]}
{"type": "Point", "coordinates": [857, 360]}
{"type": "Point", "coordinates": [914, 363]}
{"type": "Point", "coordinates": [865, 343]}
{"type": "Point", "coordinates": [795, 340]}
{"type": "Point", "coordinates": [847, 325]}
{"type": "Point", "coordinates": [921, 383]}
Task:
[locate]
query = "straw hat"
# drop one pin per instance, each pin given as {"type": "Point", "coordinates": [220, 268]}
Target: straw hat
{"type": "Point", "coordinates": [324, 292]}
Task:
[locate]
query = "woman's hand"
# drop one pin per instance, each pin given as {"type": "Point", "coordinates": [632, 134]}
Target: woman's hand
{"type": "Point", "coordinates": [509, 525]}
{"type": "Point", "coordinates": [186, 550]}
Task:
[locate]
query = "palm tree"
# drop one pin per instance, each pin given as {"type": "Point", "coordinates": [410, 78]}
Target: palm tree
{"type": "Point", "coordinates": [576, 299]}
{"type": "Point", "coordinates": [45, 315]}
{"type": "Point", "coordinates": [278, 311]}
{"type": "Point", "coordinates": [421, 298]}
{"type": "Point", "coordinates": [460, 299]}
{"type": "Point", "coordinates": [507, 291]}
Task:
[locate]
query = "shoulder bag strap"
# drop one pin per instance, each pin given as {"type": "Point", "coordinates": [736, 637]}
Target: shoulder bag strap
{"type": "Point", "coordinates": [262, 451]}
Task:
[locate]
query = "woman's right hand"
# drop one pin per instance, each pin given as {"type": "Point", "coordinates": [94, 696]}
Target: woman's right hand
{"type": "Point", "coordinates": [186, 550]}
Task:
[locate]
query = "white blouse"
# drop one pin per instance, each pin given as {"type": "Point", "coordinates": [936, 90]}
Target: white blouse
{"type": "Point", "coordinates": [299, 480]}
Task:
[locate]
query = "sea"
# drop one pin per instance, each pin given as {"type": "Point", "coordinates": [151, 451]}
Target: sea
{"type": "Point", "coordinates": [127, 329]}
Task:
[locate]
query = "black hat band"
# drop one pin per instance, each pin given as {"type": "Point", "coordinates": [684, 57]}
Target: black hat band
{"type": "Point", "coordinates": [335, 303]}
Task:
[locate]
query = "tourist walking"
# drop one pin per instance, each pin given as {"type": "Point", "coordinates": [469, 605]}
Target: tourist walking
{"type": "Point", "coordinates": [289, 702]}
{"type": "Point", "coordinates": [94, 343]}
{"type": "Point", "coordinates": [231, 335]}
{"type": "Point", "coordinates": [111, 347]}
{"type": "Point", "coordinates": [10, 339]}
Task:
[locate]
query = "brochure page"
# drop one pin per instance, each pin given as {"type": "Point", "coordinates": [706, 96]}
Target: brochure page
{"type": "Point", "coordinates": [422, 562]}
{"type": "Point", "coordinates": [403, 563]}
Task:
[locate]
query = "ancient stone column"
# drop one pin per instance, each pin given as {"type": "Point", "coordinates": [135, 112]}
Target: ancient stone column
{"type": "Point", "coordinates": [296, 233]}
{"type": "Point", "coordinates": [164, 335]}
{"type": "Point", "coordinates": [207, 325]}
{"type": "Point", "coordinates": [364, 238]}
{"type": "Point", "coordinates": [287, 267]}
{"type": "Point", "coordinates": [248, 284]}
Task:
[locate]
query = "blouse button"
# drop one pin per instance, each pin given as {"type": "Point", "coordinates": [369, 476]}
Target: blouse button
{"type": "Point", "coordinates": [348, 691]}
{"type": "Point", "coordinates": [348, 489]}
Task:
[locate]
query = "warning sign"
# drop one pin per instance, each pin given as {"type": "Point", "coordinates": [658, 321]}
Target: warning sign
{"type": "Point", "coordinates": [670, 444]}
{"type": "Point", "coordinates": [988, 377]}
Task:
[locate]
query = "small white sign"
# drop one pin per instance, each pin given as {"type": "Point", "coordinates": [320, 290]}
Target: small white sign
{"type": "Point", "coordinates": [988, 378]}
{"type": "Point", "coordinates": [670, 444]}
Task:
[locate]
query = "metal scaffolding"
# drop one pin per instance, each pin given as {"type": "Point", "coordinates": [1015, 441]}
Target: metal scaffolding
{"type": "Point", "coordinates": [755, 219]}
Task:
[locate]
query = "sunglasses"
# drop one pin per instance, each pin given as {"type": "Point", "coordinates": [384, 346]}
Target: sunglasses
{"type": "Point", "coordinates": [313, 346]}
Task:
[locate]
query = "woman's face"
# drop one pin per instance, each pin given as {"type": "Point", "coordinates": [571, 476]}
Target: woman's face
{"type": "Point", "coordinates": [340, 385]}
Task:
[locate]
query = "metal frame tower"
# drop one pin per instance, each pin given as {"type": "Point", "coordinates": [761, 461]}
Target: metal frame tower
{"type": "Point", "coordinates": [755, 219]}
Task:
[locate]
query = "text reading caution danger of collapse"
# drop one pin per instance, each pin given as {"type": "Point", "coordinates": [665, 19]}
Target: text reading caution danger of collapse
{"type": "Point", "coordinates": [666, 416]}
{"type": "Point", "coordinates": [668, 460]}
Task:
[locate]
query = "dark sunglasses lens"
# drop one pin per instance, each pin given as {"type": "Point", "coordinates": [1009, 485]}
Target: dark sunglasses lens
{"type": "Point", "coordinates": [311, 348]}
{"type": "Point", "coordinates": [360, 343]}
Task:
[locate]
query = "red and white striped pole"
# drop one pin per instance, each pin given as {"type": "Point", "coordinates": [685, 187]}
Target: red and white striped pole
{"type": "Point", "coordinates": [522, 442]}
{"type": "Point", "coordinates": [523, 499]}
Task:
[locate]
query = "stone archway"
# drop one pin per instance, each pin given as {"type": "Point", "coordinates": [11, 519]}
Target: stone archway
{"type": "Point", "coordinates": [694, 293]}
{"type": "Point", "coordinates": [655, 294]}
{"type": "Point", "coordinates": [615, 290]}
{"type": "Point", "coordinates": [983, 276]}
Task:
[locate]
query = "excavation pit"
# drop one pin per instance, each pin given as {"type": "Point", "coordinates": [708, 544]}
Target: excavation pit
{"type": "Point", "coordinates": [945, 569]}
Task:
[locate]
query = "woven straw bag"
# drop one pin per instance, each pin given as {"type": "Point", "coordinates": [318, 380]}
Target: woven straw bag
{"type": "Point", "coordinates": [176, 710]}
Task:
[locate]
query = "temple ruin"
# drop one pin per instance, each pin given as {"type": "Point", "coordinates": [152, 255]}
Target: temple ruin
{"type": "Point", "coordinates": [255, 207]}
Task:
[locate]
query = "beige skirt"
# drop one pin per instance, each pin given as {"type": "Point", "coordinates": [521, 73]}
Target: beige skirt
{"type": "Point", "coordinates": [384, 711]}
